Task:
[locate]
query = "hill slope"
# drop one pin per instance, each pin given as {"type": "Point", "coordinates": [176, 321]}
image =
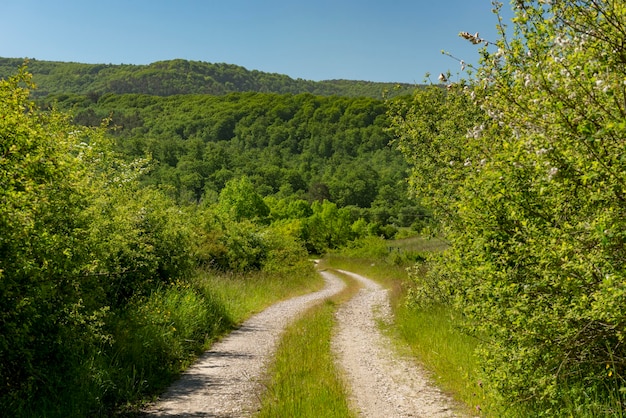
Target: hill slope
{"type": "Point", "coordinates": [166, 78]}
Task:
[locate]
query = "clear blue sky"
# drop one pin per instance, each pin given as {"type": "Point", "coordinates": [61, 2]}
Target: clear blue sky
{"type": "Point", "coordinates": [384, 40]}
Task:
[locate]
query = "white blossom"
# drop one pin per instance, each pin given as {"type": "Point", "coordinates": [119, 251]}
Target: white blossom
{"type": "Point", "coordinates": [527, 80]}
{"type": "Point", "coordinates": [476, 132]}
{"type": "Point", "coordinates": [552, 172]}
{"type": "Point", "coordinates": [561, 41]}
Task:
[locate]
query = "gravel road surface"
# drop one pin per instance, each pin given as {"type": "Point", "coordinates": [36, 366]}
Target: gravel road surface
{"type": "Point", "coordinates": [227, 380]}
{"type": "Point", "coordinates": [382, 383]}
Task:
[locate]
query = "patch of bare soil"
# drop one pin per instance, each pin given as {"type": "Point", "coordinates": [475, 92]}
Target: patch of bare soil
{"type": "Point", "coordinates": [382, 383]}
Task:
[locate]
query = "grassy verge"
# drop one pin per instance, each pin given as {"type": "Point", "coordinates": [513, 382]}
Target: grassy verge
{"type": "Point", "coordinates": [436, 340]}
{"type": "Point", "coordinates": [146, 344]}
{"type": "Point", "coordinates": [243, 295]}
{"type": "Point", "coordinates": [303, 380]}
{"type": "Point", "coordinates": [431, 335]}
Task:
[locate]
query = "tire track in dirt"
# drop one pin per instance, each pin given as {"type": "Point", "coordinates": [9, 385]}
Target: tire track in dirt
{"type": "Point", "coordinates": [382, 384]}
{"type": "Point", "coordinates": [226, 380]}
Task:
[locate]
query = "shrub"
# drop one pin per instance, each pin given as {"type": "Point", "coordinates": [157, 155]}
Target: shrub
{"type": "Point", "coordinates": [78, 241]}
{"type": "Point", "coordinates": [530, 194]}
{"type": "Point", "coordinates": [44, 190]}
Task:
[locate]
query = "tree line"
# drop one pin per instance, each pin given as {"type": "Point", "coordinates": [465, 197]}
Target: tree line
{"type": "Point", "coordinates": [291, 147]}
{"type": "Point", "coordinates": [178, 76]}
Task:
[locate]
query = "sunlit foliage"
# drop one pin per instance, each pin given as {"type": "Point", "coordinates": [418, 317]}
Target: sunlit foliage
{"type": "Point", "coordinates": [531, 194]}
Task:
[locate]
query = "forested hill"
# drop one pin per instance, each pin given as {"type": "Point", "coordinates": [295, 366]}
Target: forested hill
{"type": "Point", "coordinates": [166, 78]}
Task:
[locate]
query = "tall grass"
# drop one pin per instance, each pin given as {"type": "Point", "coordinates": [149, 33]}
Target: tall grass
{"type": "Point", "coordinates": [434, 337]}
{"type": "Point", "coordinates": [303, 380]}
{"type": "Point", "coordinates": [159, 336]}
{"type": "Point", "coordinates": [245, 294]}
{"type": "Point", "coordinates": [155, 337]}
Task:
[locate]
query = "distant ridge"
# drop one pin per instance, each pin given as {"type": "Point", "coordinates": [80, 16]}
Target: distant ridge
{"type": "Point", "coordinates": [178, 76]}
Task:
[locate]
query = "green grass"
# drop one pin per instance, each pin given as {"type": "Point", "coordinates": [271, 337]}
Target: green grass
{"type": "Point", "coordinates": [435, 339]}
{"type": "Point", "coordinates": [245, 294]}
{"type": "Point", "coordinates": [303, 380]}
{"type": "Point", "coordinates": [432, 336]}
{"type": "Point", "coordinates": [419, 244]}
{"type": "Point", "coordinates": [148, 343]}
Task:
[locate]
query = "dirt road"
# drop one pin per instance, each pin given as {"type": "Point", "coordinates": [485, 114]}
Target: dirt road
{"type": "Point", "coordinates": [382, 384]}
{"type": "Point", "coordinates": [226, 381]}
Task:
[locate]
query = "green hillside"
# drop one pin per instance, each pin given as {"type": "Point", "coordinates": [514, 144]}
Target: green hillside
{"type": "Point", "coordinates": [128, 221]}
{"type": "Point", "coordinates": [291, 146]}
{"type": "Point", "coordinates": [166, 78]}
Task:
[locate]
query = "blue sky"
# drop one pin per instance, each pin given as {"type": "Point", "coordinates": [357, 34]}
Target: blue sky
{"type": "Point", "coordinates": [390, 40]}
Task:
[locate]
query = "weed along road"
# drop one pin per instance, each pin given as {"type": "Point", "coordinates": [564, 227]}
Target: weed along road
{"type": "Point", "coordinates": [227, 380]}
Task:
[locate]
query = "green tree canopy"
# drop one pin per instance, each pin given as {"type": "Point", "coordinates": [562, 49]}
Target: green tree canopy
{"type": "Point", "coordinates": [239, 200]}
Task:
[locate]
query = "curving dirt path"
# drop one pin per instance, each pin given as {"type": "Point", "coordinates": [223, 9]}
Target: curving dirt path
{"type": "Point", "coordinates": [226, 381]}
{"type": "Point", "coordinates": [382, 384]}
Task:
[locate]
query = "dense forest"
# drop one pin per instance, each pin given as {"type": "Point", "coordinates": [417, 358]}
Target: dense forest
{"type": "Point", "coordinates": [165, 78]}
{"type": "Point", "coordinates": [302, 146]}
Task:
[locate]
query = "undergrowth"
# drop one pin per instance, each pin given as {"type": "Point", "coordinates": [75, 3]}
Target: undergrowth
{"type": "Point", "coordinates": [154, 338]}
